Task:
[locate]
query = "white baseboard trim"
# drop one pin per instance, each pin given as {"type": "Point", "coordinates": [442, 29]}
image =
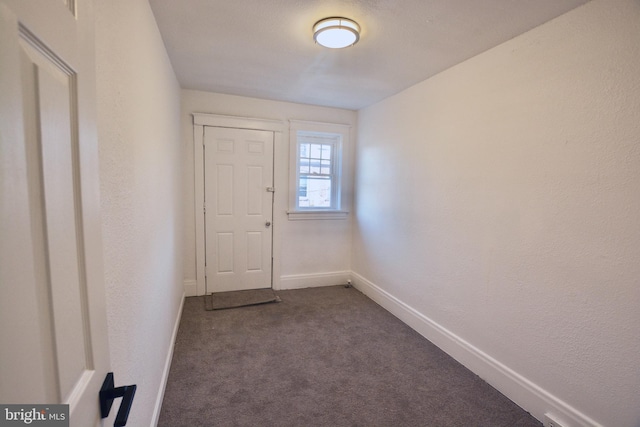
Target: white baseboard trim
{"type": "Point", "coordinates": [167, 367]}
{"type": "Point", "coordinates": [190, 288]}
{"type": "Point", "coordinates": [516, 387]}
{"type": "Point", "coordinates": [299, 281]}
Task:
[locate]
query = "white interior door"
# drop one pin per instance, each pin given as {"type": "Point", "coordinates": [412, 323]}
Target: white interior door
{"type": "Point", "coordinates": [238, 177]}
{"type": "Point", "coordinates": [53, 330]}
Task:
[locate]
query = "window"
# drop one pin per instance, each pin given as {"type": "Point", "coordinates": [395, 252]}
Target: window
{"type": "Point", "coordinates": [316, 178]}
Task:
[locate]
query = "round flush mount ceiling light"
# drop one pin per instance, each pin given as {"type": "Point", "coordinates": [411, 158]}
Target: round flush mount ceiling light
{"type": "Point", "coordinates": [336, 33]}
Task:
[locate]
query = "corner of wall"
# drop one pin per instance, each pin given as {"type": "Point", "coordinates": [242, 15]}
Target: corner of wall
{"type": "Point", "coordinates": [190, 288]}
{"type": "Point", "coordinates": [167, 366]}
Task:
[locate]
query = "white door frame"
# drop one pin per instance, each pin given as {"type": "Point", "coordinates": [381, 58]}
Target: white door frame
{"type": "Point", "coordinates": [200, 120]}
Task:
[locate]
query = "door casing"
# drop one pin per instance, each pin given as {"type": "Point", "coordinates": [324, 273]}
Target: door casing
{"type": "Point", "coordinates": [200, 121]}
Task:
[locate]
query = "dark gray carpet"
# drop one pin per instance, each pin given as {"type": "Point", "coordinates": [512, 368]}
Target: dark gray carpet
{"type": "Point", "coordinates": [321, 357]}
{"type": "Point", "coordinates": [235, 299]}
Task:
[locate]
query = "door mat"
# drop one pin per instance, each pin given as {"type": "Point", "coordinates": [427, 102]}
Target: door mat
{"type": "Point", "coordinates": [235, 299]}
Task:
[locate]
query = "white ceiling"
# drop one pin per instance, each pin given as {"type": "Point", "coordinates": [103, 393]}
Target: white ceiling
{"type": "Point", "coordinates": [265, 48]}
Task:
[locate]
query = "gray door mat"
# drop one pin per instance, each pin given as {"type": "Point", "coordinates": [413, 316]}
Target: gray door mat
{"type": "Point", "coordinates": [235, 299]}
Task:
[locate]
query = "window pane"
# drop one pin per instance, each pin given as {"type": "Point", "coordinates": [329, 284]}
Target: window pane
{"type": "Point", "coordinates": [317, 192]}
{"type": "Point", "coordinates": [325, 167]}
{"type": "Point", "coordinates": [315, 166]}
{"type": "Point", "coordinates": [304, 165]}
{"type": "Point", "coordinates": [316, 150]}
{"type": "Point", "coordinates": [326, 152]}
{"type": "Point", "coordinates": [304, 150]}
{"type": "Point", "coordinates": [302, 188]}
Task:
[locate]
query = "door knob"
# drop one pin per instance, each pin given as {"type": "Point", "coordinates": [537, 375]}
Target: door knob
{"type": "Point", "coordinates": [108, 392]}
{"type": "Point", "coordinates": [267, 224]}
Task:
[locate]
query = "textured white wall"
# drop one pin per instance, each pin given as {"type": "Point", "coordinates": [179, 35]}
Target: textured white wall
{"type": "Point", "coordinates": [308, 247]}
{"type": "Point", "coordinates": [501, 199]}
{"type": "Point", "coordinates": [141, 186]}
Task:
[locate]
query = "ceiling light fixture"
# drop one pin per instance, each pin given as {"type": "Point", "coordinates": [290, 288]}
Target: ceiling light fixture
{"type": "Point", "coordinates": [336, 33]}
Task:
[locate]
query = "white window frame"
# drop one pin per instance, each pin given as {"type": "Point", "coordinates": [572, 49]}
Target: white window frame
{"type": "Point", "coordinates": [338, 169]}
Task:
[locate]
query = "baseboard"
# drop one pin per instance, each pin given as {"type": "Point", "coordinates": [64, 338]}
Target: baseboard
{"type": "Point", "coordinates": [299, 281]}
{"type": "Point", "coordinates": [190, 288]}
{"type": "Point", "coordinates": [167, 367]}
{"type": "Point", "coordinates": [516, 387]}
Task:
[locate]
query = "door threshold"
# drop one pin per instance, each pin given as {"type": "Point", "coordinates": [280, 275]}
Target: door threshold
{"type": "Point", "coordinates": [237, 299]}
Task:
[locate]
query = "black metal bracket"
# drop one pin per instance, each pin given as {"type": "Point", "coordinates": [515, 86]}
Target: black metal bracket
{"type": "Point", "coordinates": [108, 392]}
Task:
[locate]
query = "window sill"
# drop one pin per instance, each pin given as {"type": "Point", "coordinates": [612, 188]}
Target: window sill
{"type": "Point", "coordinates": [307, 215]}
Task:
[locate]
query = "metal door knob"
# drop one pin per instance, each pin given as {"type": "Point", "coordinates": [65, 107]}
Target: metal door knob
{"type": "Point", "coordinates": [108, 393]}
{"type": "Point", "coordinates": [267, 224]}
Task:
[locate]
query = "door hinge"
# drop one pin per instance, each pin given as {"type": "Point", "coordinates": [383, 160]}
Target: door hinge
{"type": "Point", "coordinates": [204, 208]}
